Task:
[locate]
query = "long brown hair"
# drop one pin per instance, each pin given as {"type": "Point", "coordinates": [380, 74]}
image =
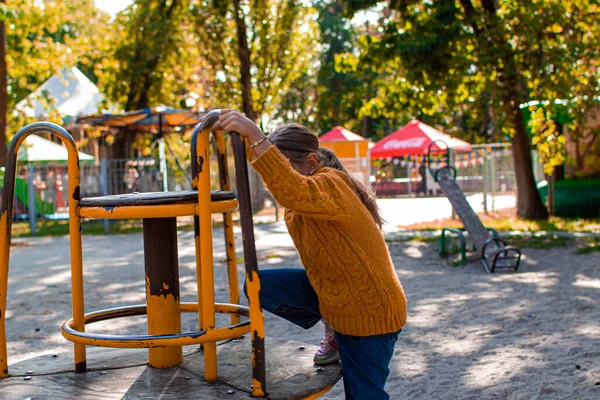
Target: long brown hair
{"type": "Point", "coordinates": [296, 142]}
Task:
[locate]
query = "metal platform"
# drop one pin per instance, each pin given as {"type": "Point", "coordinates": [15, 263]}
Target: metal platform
{"type": "Point", "coordinates": [153, 198]}
{"type": "Point", "coordinates": [123, 374]}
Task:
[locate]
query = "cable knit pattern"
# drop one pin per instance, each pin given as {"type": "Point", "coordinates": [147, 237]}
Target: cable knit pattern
{"type": "Point", "coordinates": [344, 254]}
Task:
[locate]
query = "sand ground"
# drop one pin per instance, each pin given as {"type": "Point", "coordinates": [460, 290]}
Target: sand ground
{"type": "Point", "coordinates": [534, 334]}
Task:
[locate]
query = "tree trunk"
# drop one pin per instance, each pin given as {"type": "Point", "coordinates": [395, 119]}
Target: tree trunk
{"type": "Point", "coordinates": [364, 127]}
{"type": "Point", "coordinates": [256, 184]}
{"type": "Point", "coordinates": [143, 98]}
{"type": "Point", "coordinates": [551, 181]}
{"type": "Point", "coordinates": [244, 56]}
{"type": "Point", "coordinates": [140, 83]}
{"type": "Point", "coordinates": [3, 93]}
{"type": "Point", "coordinates": [529, 202]}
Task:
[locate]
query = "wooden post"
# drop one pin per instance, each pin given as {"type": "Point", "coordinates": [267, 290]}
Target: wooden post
{"type": "Point", "coordinates": [484, 176]}
{"type": "Point", "coordinates": [551, 194]}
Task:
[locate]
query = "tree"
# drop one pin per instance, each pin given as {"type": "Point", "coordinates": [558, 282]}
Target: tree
{"type": "Point", "coordinates": [458, 51]}
{"type": "Point", "coordinates": [340, 94]}
{"type": "Point", "coordinates": [152, 62]}
{"type": "Point", "coordinates": [255, 50]}
{"type": "Point", "coordinates": [149, 63]}
{"type": "Point", "coordinates": [568, 93]}
{"type": "Point", "coordinates": [334, 86]}
{"type": "Point", "coordinates": [395, 91]}
{"type": "Point", "coordinates": [3, 82]}
{"type": "Point", "coordinates": [44, 37]}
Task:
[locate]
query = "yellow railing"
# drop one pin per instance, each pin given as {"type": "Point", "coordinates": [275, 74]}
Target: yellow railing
{"type": "Point", "coordinates": [208, 334]}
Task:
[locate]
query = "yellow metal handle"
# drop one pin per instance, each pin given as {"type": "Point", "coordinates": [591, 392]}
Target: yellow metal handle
{"type": "Point", "coordinates": [74, 232]}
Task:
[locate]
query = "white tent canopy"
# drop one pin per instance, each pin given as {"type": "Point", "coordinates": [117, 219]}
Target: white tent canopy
{"type": "Point", "coordinates": [37, 150]}
{"type": "Point", "coordinates": [70, 92]}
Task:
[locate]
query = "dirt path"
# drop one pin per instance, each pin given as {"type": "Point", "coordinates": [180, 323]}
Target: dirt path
{"type": "Point", "coordinates": [530, 335]}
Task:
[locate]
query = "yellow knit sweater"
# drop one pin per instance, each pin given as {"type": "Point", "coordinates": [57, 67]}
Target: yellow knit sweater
{"type": "Point", "coordinates": [344, 253]}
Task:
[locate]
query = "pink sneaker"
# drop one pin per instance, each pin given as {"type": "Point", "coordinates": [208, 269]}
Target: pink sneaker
{"type": "Point", "coordinates": [328, 352]}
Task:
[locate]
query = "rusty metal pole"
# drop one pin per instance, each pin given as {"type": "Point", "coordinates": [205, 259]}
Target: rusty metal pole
{"type": "Point", "coordinates": [257, 323]}
{"type": "Point", "coordinates": [162, 287]}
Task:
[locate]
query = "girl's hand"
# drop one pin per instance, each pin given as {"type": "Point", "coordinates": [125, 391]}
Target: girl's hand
{"type": "Point", "coordinates": [233, 121]}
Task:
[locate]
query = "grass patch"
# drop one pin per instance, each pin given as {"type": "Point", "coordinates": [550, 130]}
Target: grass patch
{"type": "Point", "coordinates": [425, 239]}
{"type": "Point", "coordinates": [418, 238]}
{"type": "Point", "coordinates": [588, 245]}
{"type": "Point", "coordinates": [537, 242]}
{"type": "Point", "coordinates": [61, 228]}
{"type": "Point", "coordinates": [272, 255]}
{"type": "Point", "coordinates": [457, 262]}
{"type": "Point", "coordinates": [507, 220]}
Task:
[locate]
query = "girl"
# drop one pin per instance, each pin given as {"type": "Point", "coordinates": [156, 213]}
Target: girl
{"type": "Point", "coordinates": [349, 279]}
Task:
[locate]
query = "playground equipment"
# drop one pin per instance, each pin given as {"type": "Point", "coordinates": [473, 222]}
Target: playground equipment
{"type": "Point", "coordinates": [165, 339]}
{"type": "Point", "coordinates": [22, 197]}
{"type": "Point", "coordinates": [493, 251]}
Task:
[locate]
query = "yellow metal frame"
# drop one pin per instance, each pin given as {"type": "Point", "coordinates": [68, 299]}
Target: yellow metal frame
{"type": "Point", "coordinates": [206, 289]}
{"type": "Point", "coordinates": [318, 394]}
{"type": "Point", "coordinates": [154, 341]}
{"type": "Point", "coordinates": [74, 329]}
{"type": "Point", "coordinates": [157, 211]}
{"type": "Point", "coordinates": [74, 234]}
{"type": "Point", "coordinates": [204, 266]}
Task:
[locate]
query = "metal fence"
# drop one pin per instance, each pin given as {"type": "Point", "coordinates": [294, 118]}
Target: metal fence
{"type": "Point", "coordinates": [41, 191]}
{"type": "Point", "coordinates": [487, 169]}
{"type": "Point", "coordinates": [360, 168]}
{"type": "Point", "coordinates": [45, 187]}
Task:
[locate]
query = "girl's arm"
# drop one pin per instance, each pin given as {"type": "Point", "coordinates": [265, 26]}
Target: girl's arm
{"type": "Point", "coordinates": [316, 196]}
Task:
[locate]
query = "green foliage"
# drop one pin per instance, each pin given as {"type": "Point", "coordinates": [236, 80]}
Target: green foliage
{"type": "Point", "coordinates": [152, 62]}
{"type": "Point", "coordinates": [471, 64]}
{"type": "Point", "coordinates": [6, 12]}
{"type": "Point", "coordinates": [332, 93]}
{"type": "Point", "coordinates": [589, 245]}
{"type": "Point", "coordinates": [465, 64]}
{"type": "Point", "coordinates": [437, 92]}
{"type": "Point", "coordinates": [298, 103]}
{"type": "Point", "coordinates": [550, 143]}
{"type": "Point", "coordinates": [564, 64]}
{"type": "Point", "coordinates": [282, 48]}
{"type": "Point", "coordinates": [44, 37]}
{"type": "Point", "coordinates": [339, 93]}
{"type": "Point", "coordinates": [42, 40]}
{"type": "Point", "coordinates": [462, 66]}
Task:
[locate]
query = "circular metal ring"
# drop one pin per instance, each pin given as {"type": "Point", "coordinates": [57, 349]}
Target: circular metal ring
{"type": "Point", "coordinates": [149, 341]}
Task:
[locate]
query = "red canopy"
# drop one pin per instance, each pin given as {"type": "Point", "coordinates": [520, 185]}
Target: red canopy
{"type": "Point", "coordinates": [340, 134]}
{"type": "Point", "coordinates": [414, 139]}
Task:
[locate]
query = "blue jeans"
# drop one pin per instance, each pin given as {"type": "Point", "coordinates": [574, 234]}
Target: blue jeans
{"type": "Point", "coordinates": [286, 292]}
